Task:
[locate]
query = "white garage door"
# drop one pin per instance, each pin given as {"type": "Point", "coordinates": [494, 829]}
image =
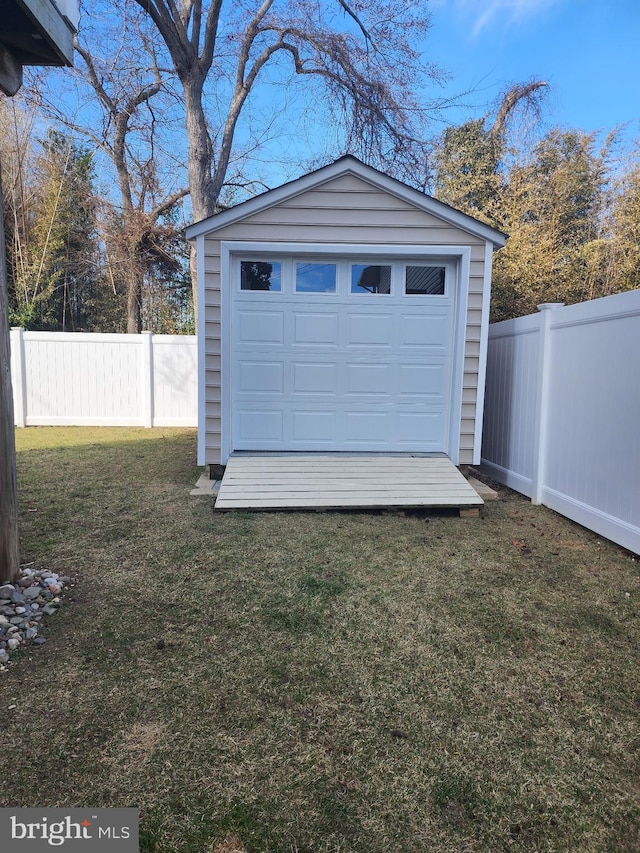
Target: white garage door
{"type": "Point", "coordinates": [341, 355]}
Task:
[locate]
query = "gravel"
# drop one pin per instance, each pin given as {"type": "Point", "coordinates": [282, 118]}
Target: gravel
{"type": "Point", "coordinates": [25, 606]}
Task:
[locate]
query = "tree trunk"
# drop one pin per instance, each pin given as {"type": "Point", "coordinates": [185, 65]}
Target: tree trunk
{"type": "Point", "coordinates": [134, 308]}
{"type": "Point", "coordinates": [9, 543]}
{"type": "Point", "coordinates": [203, 197]}
{"type": "Point", "coordinates": [199, 153]}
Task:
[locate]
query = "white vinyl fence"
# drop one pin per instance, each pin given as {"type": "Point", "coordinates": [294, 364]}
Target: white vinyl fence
{"type": "Point", "coordinates": [87, 379]}
{"type": "Point", "coordinates": [562, 412]}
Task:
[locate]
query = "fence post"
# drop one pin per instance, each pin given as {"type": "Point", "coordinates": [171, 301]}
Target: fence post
{"type": "Point", "coordinates": [542, 407]}
{"type": "Point", "coordinates": [20, 377]}
{"type": "Point", "coordinates": [147, 378]}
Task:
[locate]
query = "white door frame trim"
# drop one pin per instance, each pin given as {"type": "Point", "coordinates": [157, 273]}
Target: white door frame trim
{"type": "Point", "coordinates": [461, 254]}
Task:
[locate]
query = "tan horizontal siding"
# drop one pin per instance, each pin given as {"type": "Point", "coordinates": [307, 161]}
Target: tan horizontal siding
{"type": "Point", "coordinates": [466, 456]}
{"type": "Point", "coordinates": [212, 313]}
{"type": "Point", "coordinates": [472, 348]}
{"type": "Point", "coordinates": [467, 425]}
{"type": "Point", "coordinates": [212, 264]}
{"type": "Point", "coordinates": [474, 333]}
{"type": "Point", "coordinates": [359, 233]}
{"type": "Point", "coordinates": [346, 217]}
{"type": "Point", "coordinates": [354, 199]}
{"type": "Point", "coordinates": [347, 183]}
{"type": "Point", "coordinates": [469, 411]}
{"type": "Point", "coordinates": [476, 269]}
{"type": "Point", "coordinates": [476, 284]}
{"type": "Point", "coordinates": [213, 409]}
{"type": "Point", "coordinates": [469, 379]}
{"type": "Point", "coordinates": [474, 317]}
{"type": "Point", "coordinates": [212, 330]}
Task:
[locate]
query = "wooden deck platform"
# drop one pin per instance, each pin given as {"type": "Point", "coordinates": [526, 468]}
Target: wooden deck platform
{"type": "Point", "coordinates": [338, 481]}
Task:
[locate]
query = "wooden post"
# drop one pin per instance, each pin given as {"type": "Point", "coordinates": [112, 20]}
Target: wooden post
{"type": "Point", "coordinates": [9, 553]}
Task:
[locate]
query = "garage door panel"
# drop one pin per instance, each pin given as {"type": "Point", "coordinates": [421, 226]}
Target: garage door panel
{"type": "Point", "coordinates": [261, 327]}
{"type": "Point", "coordinates": [314, 378]}
{"type": "Point", "coordinates": [315, 329]}
{"type": "Point", "coordinates": [312, 426]}
{"type": "Point", "coordinates": [422, 380]}
{"type": "Point", "coordinates": [260, 377]}
{"type": "Point", "coordinates": [370, 379]}
{"type": "Point", "coordinates": [429, 332]}
{"type": "Point", "coordinates": [418, 427]}
{"type": "Point", "coordinates": [373, 330]}
{"type": "Point", "coordinates": [260, 425]}
{"type": "Point", "coordinates": [367, 427]}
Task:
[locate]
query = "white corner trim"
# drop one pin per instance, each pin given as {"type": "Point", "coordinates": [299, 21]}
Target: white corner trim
{"type": "Point", "coordinates": [460, 339]}
{"type": "Point", "coordinates": [390, 250]}
{"type": "Point", "coordinates": [225, 351]}
{"type": "Point", "coordinates": [201, 328]}
{"type": "Point", "coordinates": [484, 348]}
{"type": "Point", "coordinates": [230, 249]}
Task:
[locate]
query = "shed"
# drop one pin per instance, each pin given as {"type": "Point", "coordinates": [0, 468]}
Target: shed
{"type": "Point", "coordinates": [344, 311]}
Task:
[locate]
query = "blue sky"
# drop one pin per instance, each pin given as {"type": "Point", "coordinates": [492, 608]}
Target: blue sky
{"type": "Point", "coordinates": [587, 50]}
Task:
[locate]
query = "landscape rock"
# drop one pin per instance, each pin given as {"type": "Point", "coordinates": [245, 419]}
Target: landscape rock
{"type": "Point", "coordinates": [24, 606]}
{"type": "Point", "coordinates": [32, 592]}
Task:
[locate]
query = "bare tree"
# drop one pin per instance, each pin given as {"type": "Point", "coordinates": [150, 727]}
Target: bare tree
{"type": "Point", "coordinates": [139, 237]}
{"type": "Point", "coordinates": [133, 95]}
{"type": "Point", "coordinates": [362, 55]}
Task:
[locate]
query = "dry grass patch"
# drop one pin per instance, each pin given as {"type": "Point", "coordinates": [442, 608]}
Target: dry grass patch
{"type": "Point", "coordinates": [320, 681]}
{"type": "Point", "coordinates": [135, 746]}
{"type": "Point", "coordinates": [232, 844]}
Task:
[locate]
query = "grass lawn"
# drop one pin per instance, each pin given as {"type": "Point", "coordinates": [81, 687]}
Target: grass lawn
{"type": "Point", "coordinates": [317, 682]}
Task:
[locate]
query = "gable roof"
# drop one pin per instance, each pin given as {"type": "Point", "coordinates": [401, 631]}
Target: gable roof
{"type": "Point", "coordinates": [347, 165]}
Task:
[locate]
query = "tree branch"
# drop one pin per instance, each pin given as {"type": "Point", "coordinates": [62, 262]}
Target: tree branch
{"type": "Point", "coordinates": [353, 15]}
{"type": "Point", "coordinates": [168, 203]}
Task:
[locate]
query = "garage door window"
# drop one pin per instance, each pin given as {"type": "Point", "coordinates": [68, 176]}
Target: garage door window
{"type": "Point", "coordinates": [424, 281]}
{"type": "Point", "coordinates": [315, 278]}
{"type": "Point", "coordinates": [261, 275]}
{"type": "Point", "coordinates": [370, 278]}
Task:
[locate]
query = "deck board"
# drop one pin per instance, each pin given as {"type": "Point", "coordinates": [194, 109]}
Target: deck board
{"type": "Point", "coordinates": [331, 482]}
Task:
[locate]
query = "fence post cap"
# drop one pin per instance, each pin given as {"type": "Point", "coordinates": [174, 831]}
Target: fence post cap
{"type": "Point", "coordinates": [549, 306]}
